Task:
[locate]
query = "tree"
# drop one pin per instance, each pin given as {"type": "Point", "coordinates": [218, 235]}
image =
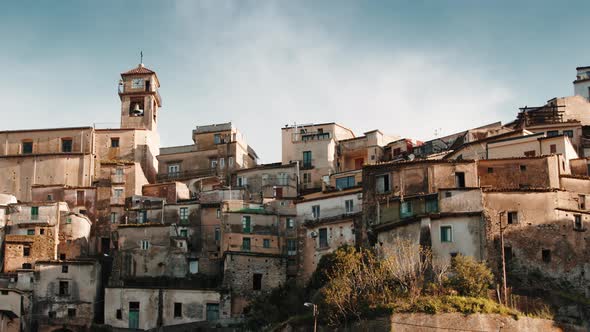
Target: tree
{"type": "Point", "coordinates": [470, 278]}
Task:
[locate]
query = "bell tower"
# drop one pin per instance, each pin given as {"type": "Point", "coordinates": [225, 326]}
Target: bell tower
{"type": "Point", "coordinates": [140, 98]}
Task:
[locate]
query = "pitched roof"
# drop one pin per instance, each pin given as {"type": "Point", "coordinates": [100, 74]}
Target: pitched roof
{"type": "Point", "coordinates": [140, 69]}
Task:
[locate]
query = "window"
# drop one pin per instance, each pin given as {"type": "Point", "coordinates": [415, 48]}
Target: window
{"type": "Point", "coordinates": [345, 182]}
{"type": "Point", "coordinates": [66, 145]}
{"type": "Point", "coordinates": [133, 315]}
{"type": "Point", "coordinates": [217, 234]}
{"type": "Point", "coordinates": [242, 181]}
{"type": "Point", "coordinates": [290, 223]}
{"type": "Point", "coordinates": [26, 251]}
{"type": "Point", "coordinates": [577, 221]}
{"type": "Point", "coordinates": [246, 244]}
{"type": "Point", "coordinates": [30, 232]}
{"type": "Point", "coordinates": [51, 314]}
{"type": "Point", "coordinates": [307, 159]}
{"type": "Point", "coordinates": [177, 309]}
{"type": "Point", "coordinates": [27, 147]}
{"type": "Point", "coordinates": [508, 253]}
{"type": "Point", "coordinates": [118, 192]}
{"type": "Point", "coordinates": [246, 223]}
{"type": "Point", "coordinates": [141, 217]}
{"type": "Point", "coordinates": [114, 142]}
{"type": "Point", "coordinates": [291, 247]}
{"type": "Point", "coordinates": [218, 213]}
{"type": "Point", "coordinates": [582, 202]}
{"type": "Point", "coordinates": [283, 179]}
{"type": "Point", "coordinates": [145, 244]}
{"type": "Point", "coordinates": [183, 212]}
{"type": "Point", "coordinates": [323, 237]}
{"type": "Point", "coordinates": [27, 266]}
{"type": "Point", "coordinates": [257, 281]}
{"type": "Point", "coordinates": [34, 212]}
{"type": "Point", "coordinates": [71, 312]}
{"type": "Point", "coordinates": [306, 177]}
{"type": "Point", "coordinates": [406, 209]}
{"type": "Point", "coordinates": [448, 194]}
{"type": "Point", "coordinates": [119, 314]}
{"type": "Point", "coordinates": [213, 163]}
{"type": "Point", "coordinates": [315, 211]}
{"type": "Point", "coordinates": [523, 168]}
{"type": "Point", "coordinates": [42, 231]}
{"type": "Point", "coordinates": [221, 163]}
{"type": "Point", "coordinates": [64, 269]}
{"type": "Point", "coordinates": [552, 133]}
{"type": "Point", "coordinates": [80, 197]}
{"type": "Point", "coordinates": [512, 217]}
{"type": "Point", "coordinates": [64, 288]}
{"type": "Point", "coordinates": [173, 170]}
{"type": "Point", "coordinates": [68, 220]}
{"type": "Point", "coordinates": [553, 148]}
{"type": "Point", "coordinates": [230, 162]}
{"type": "Point", "coordinates": [530, 153]}
{"type": "Point", "coordinates": [349, 205]}
{"type": "Point", "coordinates": [62, 257]}
{"type": "Point", "coordinates": [212, 312]}
{"type": "Point", "coordinates": [490, 170]}
{"type": "Point", "coordinates": [216, 138]}
{"type": "Point", "coordinates": [460, 179]}
{"type": "Point", "coordinates": [431, 205]}
{"type": "Point", "coordinates": [546, 255]}
{"type": "Point", "coordinates": [382, 183]}
{"type": "Point", "coordinates": [194, 266]}
{"type": "Point", "coordinates": [184, 233]}
{"type": "Point", "coordinates": [4, 292]}
{"type": "Point", "coordinates": [446, 234]}
{"type": "Point", "coordinates": [114, 217]}
{"type": "Point", "coordinates": [568, 133]}
{"type": "Point", "coordinates": [50, 197]}
{"type": "Point", "coordinates": [397, 151]}
{"type": "Point", "coordinates": [266, 243]}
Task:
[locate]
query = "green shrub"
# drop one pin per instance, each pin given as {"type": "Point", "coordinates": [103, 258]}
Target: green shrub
{"type": "Point", "coordinates": [469, 278]}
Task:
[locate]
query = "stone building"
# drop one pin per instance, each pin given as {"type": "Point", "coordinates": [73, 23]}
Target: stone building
{"type": "Point", "coordinates": [66, 294]}
{"type": "Point", "coordinates": [328, 221]}
{"type": "Point", "coordinates": [117, 161]}
{"type": "Point", "coordinates": [254, 250]}
{"type": "Point", "coordinates": [15, 308]}
{"type": "Point", "coordinates": [314, 147]}
{"type": "Point", "coordinates": [153, 307]}
{"type": "Point", "coordinates": [32, 234]}
{"type": "Point", "coordinates": [268, 182]}
{"type": "Point", "coordinates": [217, 152]}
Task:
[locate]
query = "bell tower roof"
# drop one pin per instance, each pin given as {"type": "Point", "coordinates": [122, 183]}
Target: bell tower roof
{"type": "Point", "coordinates": [140, 70]}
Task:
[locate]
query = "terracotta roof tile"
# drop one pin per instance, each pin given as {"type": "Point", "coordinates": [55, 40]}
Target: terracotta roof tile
{"type": "Point", "coordinates": [140, 69]}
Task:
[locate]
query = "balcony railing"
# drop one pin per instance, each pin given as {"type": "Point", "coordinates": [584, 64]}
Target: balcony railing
{"type": "Point", "coordinates": [215, 196]}
{"type": "Point", "coordinates": [184, 175]}
{"type": "Point", "coordinates": [310, 136]}
{"type": "Point", "coordinates": [30, 219]}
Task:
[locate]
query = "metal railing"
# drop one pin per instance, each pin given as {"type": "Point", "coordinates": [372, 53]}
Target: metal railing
{"type": "Point", "coordinates": [183, 175]}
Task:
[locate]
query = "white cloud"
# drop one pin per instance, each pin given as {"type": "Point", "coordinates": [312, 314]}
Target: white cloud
{"type": "Point", "coordinates": [263, 69]}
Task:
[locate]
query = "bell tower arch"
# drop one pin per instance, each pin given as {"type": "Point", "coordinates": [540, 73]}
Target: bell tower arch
{"type": "Point", "coordinates": [140, 98]}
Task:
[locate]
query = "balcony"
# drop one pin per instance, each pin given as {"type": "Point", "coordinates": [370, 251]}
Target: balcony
{"type": "Point", "coordinates": [185, 175]}
{"type": "Point", "coordinates": [305, 164]}
{"type": "Point", "coordinates": [216, 196]}
{"type": "Point", "coordinates": [31, 219]}
{"type": "Point", "coordinates": [310, 137]}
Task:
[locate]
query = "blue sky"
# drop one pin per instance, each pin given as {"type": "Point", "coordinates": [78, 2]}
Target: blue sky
{"type": "Point", "coordinates": [405, 67]}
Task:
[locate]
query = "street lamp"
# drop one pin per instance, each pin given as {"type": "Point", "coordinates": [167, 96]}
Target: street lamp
{"type": "Point", "coordinates": [315, 314]}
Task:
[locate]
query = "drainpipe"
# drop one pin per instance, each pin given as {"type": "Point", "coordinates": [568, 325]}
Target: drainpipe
{"type": "Point", "coordinates": [160, 307]}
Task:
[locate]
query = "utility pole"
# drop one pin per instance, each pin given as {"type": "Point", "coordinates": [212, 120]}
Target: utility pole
{"type": "Point", "coordinates": [500, 214]}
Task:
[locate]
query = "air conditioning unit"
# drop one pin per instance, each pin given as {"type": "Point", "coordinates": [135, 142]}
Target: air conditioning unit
{"type": "Point", "coordinates": [314, 234]}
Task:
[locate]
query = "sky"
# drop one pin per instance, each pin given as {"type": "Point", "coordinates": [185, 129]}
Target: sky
{"type": "Point", "coordinates": [411, 68]}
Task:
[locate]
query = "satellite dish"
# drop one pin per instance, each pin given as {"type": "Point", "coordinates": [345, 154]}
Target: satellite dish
{"type": "Point", "coordinates": [411, 157]}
